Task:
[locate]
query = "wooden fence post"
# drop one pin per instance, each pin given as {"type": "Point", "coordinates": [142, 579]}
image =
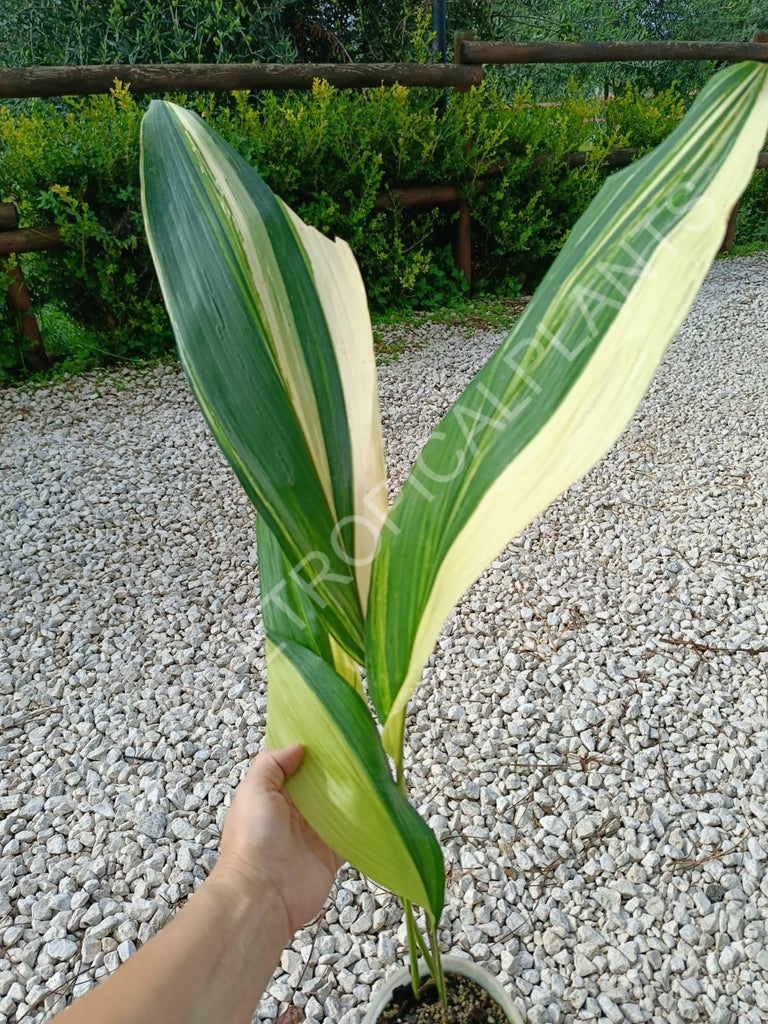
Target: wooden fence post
{"type": "Point", "coordinates": [458, 39]}
{"type": "Point", "coordinates": [9, 216]}
{"type": "Point", "coordinates": [462, 254]}
{"type": "Point", "coordinates": [19, 301]}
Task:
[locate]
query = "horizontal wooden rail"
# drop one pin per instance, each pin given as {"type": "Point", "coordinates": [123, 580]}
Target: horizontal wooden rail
{"type": "Point", "coordinates": [622, 157]}
{"type": "Point", "coordinates": [19, 83]}
{"type": "Point", "coordinates": [434, 195]}
{"type": "Point", "coordinates": [480, 52]}
{"type": "Point", "coordinates": [617, 158]}
{"type": "Point", "coordinates": [29, 240]}
{"type": "Point", "coordinates": [428, 195]}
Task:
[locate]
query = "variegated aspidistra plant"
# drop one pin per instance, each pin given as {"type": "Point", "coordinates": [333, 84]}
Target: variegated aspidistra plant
{"type": "Point", "coordinates": [273, 330]}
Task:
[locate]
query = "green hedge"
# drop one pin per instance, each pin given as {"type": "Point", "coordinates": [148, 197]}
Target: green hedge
{"type": "Point", "coordinates": [328, 154]}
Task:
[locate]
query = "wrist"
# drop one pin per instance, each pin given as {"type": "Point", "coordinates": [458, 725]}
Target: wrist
{"type": "Point", "coordinates": [246, 895]}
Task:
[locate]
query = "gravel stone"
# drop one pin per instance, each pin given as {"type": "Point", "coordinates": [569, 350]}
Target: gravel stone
{"type": "Point", "coordinates": [153, 824]}
{"type": "Point", "coordinates": [183, 829]}
{"type": "Point", "coordinates": [61, 949]}
{"type": "Point", "coordinates": [385, 950]}
{"type": "Point", "coordinates": [688, 1010]}
{"type": "Point", "coordinates": [126, 949]}
{"type": "Point", "coordinates": [609, 1008]}
{"type": "Point", "coordinates": [583, 966]}
{"type": "Point", "coordinates": [617, 962]}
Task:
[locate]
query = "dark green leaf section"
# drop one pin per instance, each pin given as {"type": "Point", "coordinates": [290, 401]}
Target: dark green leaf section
{"type": "Point", "coordinates": [351, 716]}
{"type": "Point", "coordinates": [312, 332]}
{"type": "Point", "coordinates": [286, 605]}
{"type": "Point", "coordinates": [522, 385]}
{"type": "Point", "coordinates": [229, 356]}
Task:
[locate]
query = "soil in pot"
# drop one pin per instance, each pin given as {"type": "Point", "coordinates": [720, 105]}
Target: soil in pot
{"type": "Point", "coordinates": [468, 1003]}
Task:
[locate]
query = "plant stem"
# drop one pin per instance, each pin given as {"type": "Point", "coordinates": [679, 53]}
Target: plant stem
{"type": "Point", "coordinates": [416, 943]}
{"type": "Point", "coordinates": [423, 948]}
{"type": "Point", "coordinates": [437, 962]}
{"type": "Point", "coordinates": [413, 946]}
{"type": "Point", "coordinates": [398, 758]}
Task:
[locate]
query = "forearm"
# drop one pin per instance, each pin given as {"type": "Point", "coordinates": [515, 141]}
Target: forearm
{"type": "Point", "coordinates": [210, 965]}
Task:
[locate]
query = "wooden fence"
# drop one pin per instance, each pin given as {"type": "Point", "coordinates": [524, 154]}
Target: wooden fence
{"type": "Point", "coordinates": [461, 75]}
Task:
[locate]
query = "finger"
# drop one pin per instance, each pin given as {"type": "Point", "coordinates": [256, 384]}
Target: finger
{"type": "Point", "coordinates": [271, 768]}
{"type": "Point", "coordinates": [289, 758]}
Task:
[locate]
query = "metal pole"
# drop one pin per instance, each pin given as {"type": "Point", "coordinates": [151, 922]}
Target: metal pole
{"type": "Point", "coordinates": [438, 27]}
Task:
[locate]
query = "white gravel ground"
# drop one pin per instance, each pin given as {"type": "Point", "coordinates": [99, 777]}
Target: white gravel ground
{"type": "Point", "coordinates": [590, 741]}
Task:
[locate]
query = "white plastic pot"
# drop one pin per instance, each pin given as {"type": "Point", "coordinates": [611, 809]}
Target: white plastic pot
{"type": "Point", "coordinates": [451, 965]}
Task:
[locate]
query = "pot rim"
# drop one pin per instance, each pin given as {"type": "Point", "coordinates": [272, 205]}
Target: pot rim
{"type": "Point", "coordinates": [452, 965]}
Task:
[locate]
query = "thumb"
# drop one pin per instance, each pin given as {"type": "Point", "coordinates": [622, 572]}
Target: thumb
{"type": "Point", "coordinates": [271, 768]}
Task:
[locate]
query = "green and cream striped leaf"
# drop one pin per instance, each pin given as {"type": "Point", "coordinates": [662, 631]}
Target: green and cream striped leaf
{"type": "Point", "coordinates": [344, 787]}
{"type": "Point", "coordinates": [289, 607]}
{"type": "Point", "coordinates": [564, 383]}
{"type": "Point", "coordinates": [272, 326]}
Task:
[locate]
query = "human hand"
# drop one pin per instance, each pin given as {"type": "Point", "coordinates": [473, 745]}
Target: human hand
{"type": "Point", "coordinates": [268, 849]}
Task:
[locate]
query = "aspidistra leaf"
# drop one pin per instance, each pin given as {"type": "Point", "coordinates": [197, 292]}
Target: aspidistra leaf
{"type": "Point", "coordinates": [272, 327]}
{"type": "Point", "coordinates": [565, 382]}
{"type": "Point", "coordinates": [344, 787]}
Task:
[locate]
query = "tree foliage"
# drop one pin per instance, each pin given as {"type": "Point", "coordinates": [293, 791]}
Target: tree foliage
{"type": "Point", "coordinates": [123, 31]}
{"type": "Point", "coordinates": [212, 31]}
